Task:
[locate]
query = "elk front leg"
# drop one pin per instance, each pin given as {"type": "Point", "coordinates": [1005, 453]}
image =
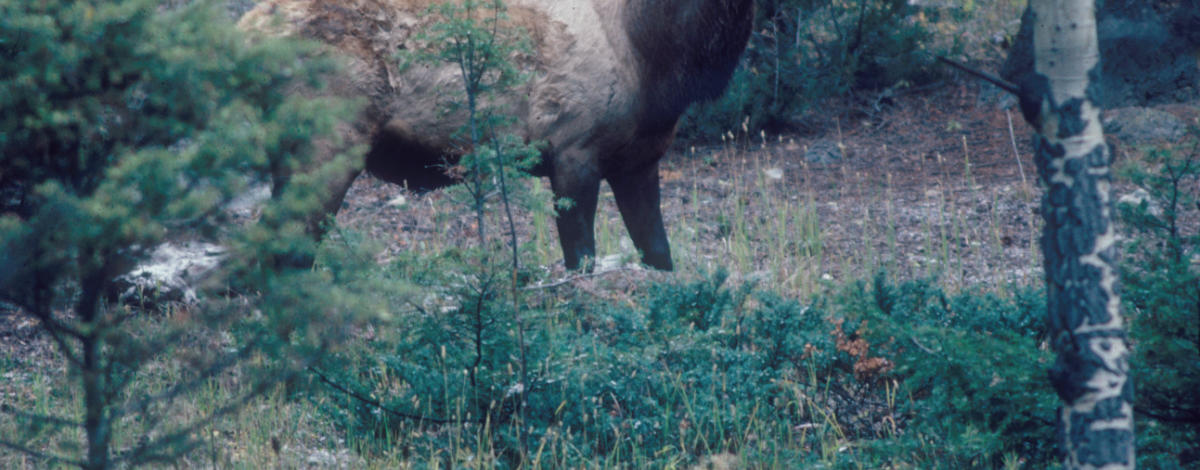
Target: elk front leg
{"type": "Point", "coordinates": [637, 196]}
{"type": "Point", "coordinates": [576, 223]}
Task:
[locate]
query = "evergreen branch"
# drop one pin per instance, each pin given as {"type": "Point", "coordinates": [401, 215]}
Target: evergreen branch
{"type": "Point", "coordinates": [56, 330]}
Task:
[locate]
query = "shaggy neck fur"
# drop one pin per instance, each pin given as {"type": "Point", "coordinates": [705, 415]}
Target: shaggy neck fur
{"type": "Point", "coordinates": [686, 51]}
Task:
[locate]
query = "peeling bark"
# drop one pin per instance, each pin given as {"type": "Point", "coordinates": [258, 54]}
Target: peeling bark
{"type": "Point", "coordinates": [1091, 371]}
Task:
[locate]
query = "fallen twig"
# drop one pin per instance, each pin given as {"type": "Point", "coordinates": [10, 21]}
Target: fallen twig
{"type": "Point", "coordinates": [571, 278]}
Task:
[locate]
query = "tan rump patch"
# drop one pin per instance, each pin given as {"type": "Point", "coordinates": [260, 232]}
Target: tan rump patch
{"type": "Point", "coordinates": [373, 31]}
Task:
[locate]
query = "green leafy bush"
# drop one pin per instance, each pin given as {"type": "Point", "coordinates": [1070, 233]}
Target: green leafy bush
{"type": "Point", "coordinates": [802, 51]}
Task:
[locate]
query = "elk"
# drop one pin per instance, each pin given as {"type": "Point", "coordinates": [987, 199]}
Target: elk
{"type": "Point", "coordinates": [610, 80]}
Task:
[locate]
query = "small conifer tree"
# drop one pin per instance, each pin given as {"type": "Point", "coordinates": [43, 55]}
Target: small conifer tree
{"type": "Point", "coordinates": [124, 124]}
{"type": "Point", "coordinates": [482, 337]}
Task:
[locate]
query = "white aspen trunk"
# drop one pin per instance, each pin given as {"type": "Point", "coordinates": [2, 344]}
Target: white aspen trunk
{"type": "Point", "coordinates": [1091, 371]}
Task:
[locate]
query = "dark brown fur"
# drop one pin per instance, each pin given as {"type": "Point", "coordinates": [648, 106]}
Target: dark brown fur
{"type": "Point", "coordinates": [599, 120]}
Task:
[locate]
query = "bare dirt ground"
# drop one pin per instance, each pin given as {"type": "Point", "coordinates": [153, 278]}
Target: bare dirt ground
{"type": "Point", "coordinates": [939, 182]}
{"type": "Point", "coordinates": [928, 184]}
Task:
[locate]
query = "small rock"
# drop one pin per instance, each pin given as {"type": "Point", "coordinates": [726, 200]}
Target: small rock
{"type": "Point", "coordinates": [774, 173]}
{"type": "Point", "coordinates": [1138, 197]}
{"type": "Point", "coordinates": [170, 274]}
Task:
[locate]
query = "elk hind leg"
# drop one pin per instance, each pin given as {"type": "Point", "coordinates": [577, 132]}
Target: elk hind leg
{"type": "Point", "coordinates": [638, 197]}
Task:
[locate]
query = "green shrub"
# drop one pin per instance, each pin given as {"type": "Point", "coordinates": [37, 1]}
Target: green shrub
{"type": "Point", "coordinates": [1162, 299]}
{"type": "Point", "coordinates": [803, 51]}
{"type": "Point", "coordinates": [970, 373]}
{"type": "Point", "coordinates": [695, 369]}
{"type": "Point", "coordinates": [688, 373]}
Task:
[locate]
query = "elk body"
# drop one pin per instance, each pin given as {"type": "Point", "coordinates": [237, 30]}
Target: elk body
{"type": "Point", "coordinates": [610, 80]}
